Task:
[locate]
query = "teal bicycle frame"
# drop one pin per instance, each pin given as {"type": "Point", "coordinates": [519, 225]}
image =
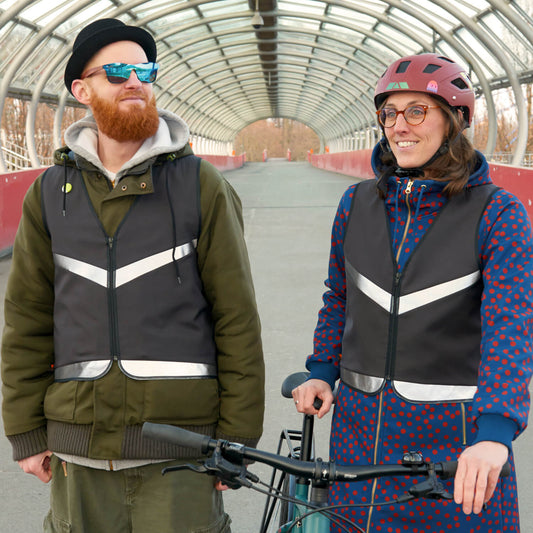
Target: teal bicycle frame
{"type": "Point", "coordinates": [315, 523]}
{"type": "Point", "coordinates": [305, 496]}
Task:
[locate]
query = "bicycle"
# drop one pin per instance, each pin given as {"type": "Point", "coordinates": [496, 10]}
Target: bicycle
{"type": "Point", "coordinates": [303, 508]}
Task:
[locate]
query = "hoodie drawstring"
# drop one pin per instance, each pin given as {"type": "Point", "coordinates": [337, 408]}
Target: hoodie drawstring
{"type": "Point", "coordinates": [396, 213]}
{"type": "Point", "coordinates": [64, 158]}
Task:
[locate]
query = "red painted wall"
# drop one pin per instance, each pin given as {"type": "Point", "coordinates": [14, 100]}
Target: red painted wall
{"type": "Point", "coordinates": [13, 187]}
{"type": "Point", "coordinates": [356, 164]}
{"type": "Point", "coordinates": [225, 162]}
{"type": "Point", "coordinates": [517, 180]}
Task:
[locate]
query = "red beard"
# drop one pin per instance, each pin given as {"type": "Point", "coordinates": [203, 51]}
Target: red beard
{"type": "Point", "coordinates": [136, 124]}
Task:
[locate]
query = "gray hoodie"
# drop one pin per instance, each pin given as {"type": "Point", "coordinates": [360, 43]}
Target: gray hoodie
{"type": "Point", "coordinates": [172, 135]}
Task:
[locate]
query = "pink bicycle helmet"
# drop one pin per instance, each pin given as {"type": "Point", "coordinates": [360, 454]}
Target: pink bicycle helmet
{"type": "Point", "coordinates": [432, 74]}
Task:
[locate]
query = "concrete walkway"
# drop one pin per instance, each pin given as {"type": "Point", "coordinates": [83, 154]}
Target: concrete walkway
{"type": "Point", "coordinates": [288, 209]}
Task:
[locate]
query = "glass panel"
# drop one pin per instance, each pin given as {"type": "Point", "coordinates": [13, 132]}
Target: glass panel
{"type": "Point", "coordinates": [6, 4]}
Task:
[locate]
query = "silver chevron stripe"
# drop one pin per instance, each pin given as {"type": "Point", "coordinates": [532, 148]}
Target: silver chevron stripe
{"type": "Point", "coordinates": [126, 273]}
{"type": "Point", "coordinates": [416, 299]}
{"type": "Point", "coordinates": [166, 369]}
{"type": "Point", "coordinates": [420, 392]}
{"type": "Point", "coordinates": [85, 270]}
{"type": "Point", "coordinates": [137, 369]}
{"type": "Point", "coordinates": [432, 294]}
{"type": "Point", "coordinates": [148, 264]}
{"type": "Point", "coordinates": [368, 384]}
{"type": "Point", "coordinates": [414, 392]}
{"type": "Point", "coordinates": [375, 293]}
{"type": "Point", "coordinates": [85, 370]}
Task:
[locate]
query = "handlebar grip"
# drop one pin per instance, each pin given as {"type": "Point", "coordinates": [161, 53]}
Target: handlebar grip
{"type": "Point", "coordinates": [176, 435]}
{"type": "Point", "coordinates": [317, 404]}
{"type": "Point", "coordinates": [449, 468]}
{"type": "Point", "coordinates": [291, 382]}
{"type": "Point", "coordinates": [506, 470]}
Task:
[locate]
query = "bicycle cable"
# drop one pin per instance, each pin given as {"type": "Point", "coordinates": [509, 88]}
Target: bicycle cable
{"type": "Point", "coordinates": [332, 516]}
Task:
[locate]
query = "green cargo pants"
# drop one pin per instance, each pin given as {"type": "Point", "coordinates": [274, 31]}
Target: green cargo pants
{"type": "Point", "coordinates": [134, 500]}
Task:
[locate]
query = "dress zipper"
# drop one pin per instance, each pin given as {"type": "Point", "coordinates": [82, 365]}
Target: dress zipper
{"type": "Point", "coordinates": [375, 462]}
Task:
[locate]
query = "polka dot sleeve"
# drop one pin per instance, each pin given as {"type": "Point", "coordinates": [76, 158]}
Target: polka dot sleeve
{"type": "Point", "coordinates": [330, 326]}
{"type": "Point", "coordinates": [505, 242]}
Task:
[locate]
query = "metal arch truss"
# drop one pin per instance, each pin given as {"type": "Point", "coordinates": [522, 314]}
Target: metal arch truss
{"type": "Point", "coordinates": [315, 62]}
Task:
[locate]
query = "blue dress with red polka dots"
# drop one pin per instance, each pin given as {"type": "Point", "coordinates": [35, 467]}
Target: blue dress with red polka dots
{"type": "Point", "coordinates": [380, 428]}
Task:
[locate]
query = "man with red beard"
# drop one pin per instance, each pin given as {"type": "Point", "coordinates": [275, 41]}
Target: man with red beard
{"type": "Point", "coordinates": [130, 300]}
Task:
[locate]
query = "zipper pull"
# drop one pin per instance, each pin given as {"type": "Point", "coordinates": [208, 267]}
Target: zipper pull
{"type": "Point", "coordinates": [110, 242]}
{"type": "Point", "coordinates": [409, 187]}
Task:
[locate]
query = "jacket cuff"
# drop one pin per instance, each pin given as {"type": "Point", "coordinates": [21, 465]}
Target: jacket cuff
{"type": "Point", "coordinates": [327, 372]}
{"type": "Point", "coordinates": [29, 443]}
{"type": "Point", "coordinates": [496, 428]}
{"type": "Point", "coordinates": [248, 442]}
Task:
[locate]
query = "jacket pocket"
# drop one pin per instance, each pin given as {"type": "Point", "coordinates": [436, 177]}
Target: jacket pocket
{"type": "Point", "coordinates": [183, 401]}
{"type": "Point", "coordinates": [60, 401]}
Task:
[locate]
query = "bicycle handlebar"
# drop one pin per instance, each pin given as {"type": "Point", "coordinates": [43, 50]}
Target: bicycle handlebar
{"type": "Point", "coordinates": [317, 470]}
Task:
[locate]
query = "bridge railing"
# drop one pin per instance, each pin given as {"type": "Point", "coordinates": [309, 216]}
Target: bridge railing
{"type": "Point", "coordinates": [13, 187]}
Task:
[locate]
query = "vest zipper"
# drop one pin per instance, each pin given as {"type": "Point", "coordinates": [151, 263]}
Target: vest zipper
{"type": "Point", "coordinates": [393, 326]}
{"type": "Point", "coordinates": [395, 301]}
{"type": "Point", "coordinates": [111, 299]}
{"type": "Point", "coordinates": [407, 193]}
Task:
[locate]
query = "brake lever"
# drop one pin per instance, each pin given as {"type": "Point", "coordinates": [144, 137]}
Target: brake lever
{"type": "Point", "coordinates": [231, 475]}
{"type": "Point", "coordinates": [431, 488]}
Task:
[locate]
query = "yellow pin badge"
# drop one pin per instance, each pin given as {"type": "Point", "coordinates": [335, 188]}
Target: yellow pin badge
{"type": "Point", "coordinates": [66, 188]}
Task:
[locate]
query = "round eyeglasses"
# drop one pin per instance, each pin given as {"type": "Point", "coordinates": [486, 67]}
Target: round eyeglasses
{"type": "Point", "coordinates": [121, 72]}
{"type": "Point", "coordinates": [413, 115]}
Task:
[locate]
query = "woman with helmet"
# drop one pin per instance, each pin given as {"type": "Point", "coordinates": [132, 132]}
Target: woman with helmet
{"type": "Point", "coordinates": [426, 322]}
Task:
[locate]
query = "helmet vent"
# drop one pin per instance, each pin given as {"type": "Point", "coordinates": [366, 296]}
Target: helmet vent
{"type": "Point", "coordinates": [460, 83]}
{"type": "Point", "coordinates": [402, 67]}
{"type": "Point", "coordinates": [431, 68]}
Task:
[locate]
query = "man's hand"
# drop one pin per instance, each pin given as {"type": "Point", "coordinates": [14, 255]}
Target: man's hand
{"type": "Point", "coordinates": [305, 395]}
{"type": "Point", "coordinates": [38, 465]}
{"type": "Point", "coordinates": [477, 474]}
{"type": "Point", "coordinates": [220, 486]}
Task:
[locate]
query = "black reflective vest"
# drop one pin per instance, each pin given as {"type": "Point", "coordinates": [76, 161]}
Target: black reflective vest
{"type": "Point", "coordinates": [119, 298]}
{"type": "Point", "coordinates": [420, 328]}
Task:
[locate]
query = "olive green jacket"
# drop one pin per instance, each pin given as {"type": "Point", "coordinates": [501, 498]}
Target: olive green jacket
{"type": "Point", "coordinates": [102, 419]}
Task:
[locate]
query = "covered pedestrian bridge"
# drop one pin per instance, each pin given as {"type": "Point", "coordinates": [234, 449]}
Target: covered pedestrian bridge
{"type": "Point", "coordinates": [225, 64]}
{"type": "Point", "coordinates": [228, 63]}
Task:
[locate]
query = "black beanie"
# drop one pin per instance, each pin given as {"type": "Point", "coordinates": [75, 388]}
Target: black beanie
{"type": "Point", "coordinates": [98, 34]}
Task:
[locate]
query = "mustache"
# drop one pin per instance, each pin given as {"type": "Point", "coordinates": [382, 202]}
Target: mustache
{"type": "Point", "coordinates": [134, 94]}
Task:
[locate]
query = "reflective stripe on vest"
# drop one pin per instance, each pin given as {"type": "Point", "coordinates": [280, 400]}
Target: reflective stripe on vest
{"type": "Point", "coordinates": [416, 299]}
{"type": "Point", "coordinates": [126, 273]}
{"type": "Point", "coordinates": [419, 392]}
{"type": "Point", "coordinates": [136, 369]}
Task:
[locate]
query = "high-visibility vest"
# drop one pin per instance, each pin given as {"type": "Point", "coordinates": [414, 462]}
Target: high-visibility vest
{"type": "Point", "coordinates": [419, 328]}
{"type": "Point", "coordinates": [135, 297]}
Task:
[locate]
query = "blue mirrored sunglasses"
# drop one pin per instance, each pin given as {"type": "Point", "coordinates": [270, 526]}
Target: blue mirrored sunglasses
{"type": "Point", "coordinates": [121, 72]}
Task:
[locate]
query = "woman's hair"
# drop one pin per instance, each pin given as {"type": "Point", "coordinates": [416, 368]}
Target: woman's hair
{"type": "Point", "coordinates": [456, 165]}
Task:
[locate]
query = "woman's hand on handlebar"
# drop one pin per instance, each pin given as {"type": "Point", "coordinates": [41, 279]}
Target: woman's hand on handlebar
{"type": "Point", "coordinates": [307, 392]}
{"type": "Point", "coordinates": [477, 474]}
